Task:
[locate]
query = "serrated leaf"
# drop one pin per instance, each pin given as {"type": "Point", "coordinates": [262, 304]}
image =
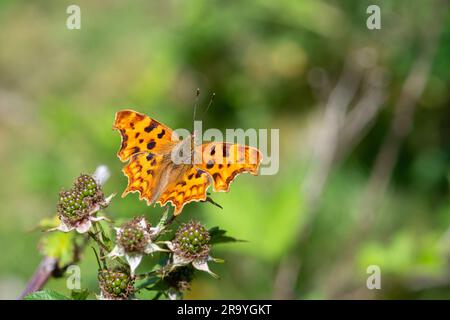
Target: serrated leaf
{"type": "Point", "coordinates": [216, 231]}
{"type": "Point", "coordinates": [46, 295]}
{"type": "Point", "coordinates": [58, 245]}
{"type": "Point", "coordinates": [80, 294]}
{"type": "Point", "coordinates": [219, 236]}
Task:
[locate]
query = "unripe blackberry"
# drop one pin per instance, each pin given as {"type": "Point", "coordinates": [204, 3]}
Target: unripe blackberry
{"type": "Point", "coordinates": [76, 204]}
{"type": "Point", "coordinates": [71, 205]}
{"type": "Point", "coordinates": [89, 189]}
{"type": "Point", "coordinates": [132, 236]}
{"type": "Point", "coordinates": [86, 185]}
{"type": "Point", "coordinates": [115, 284]}
{"type": "Point", "coordinates": [191, 241]}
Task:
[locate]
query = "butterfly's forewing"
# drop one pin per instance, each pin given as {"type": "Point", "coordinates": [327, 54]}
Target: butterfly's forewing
{"type": "Point", "coordinates": [224, 161]}
{"type": "Point", "coordinates": [141, 133]}
{"type": "Point", "coordinates": [190, 185]}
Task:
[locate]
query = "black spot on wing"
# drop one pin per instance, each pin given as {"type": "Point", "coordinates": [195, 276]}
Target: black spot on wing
{"type": "Point", "coordinates": [209, 164]}
{"type": "Point", "coordinates": [161, 134]}
{"type": "Point", "coordinates": [151, 126]}
{"type": "Point", "coordinates": [151, 145]}
{"type": "Point", "coordinates": [199, 173]}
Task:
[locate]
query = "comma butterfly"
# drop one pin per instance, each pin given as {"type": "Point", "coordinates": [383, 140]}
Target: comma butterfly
{"type": "Point", "coordinates": [148, 147]}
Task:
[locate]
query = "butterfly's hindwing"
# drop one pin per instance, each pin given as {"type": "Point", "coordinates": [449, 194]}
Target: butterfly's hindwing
{"type": "Point", "coordinates": [190, 186]}
{"type": "Point", "coordinates": [224, 161]}
{"type": "Point", "coordinates": [143, 172]}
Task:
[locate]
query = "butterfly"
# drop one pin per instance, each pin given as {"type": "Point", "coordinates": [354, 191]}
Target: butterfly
{"type": "Point", "coordinates": [148, 147]}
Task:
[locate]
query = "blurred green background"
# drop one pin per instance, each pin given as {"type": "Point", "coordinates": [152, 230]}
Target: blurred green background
{"type": "Point", "coordinates": [364, 119]}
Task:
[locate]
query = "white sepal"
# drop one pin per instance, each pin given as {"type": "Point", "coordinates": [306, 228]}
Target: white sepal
{"type": "Point", "coordinates": [202, 265]}
{"type": "Point", "coordinates": [133, 260]}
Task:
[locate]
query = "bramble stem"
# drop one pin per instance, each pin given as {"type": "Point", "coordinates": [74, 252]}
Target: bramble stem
{"type": "Point", "coordinates": [101, 245]}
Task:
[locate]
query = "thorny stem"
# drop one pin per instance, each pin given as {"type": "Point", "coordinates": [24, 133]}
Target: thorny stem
{"type": "Point", "coordinates": [147, 274]}
{"type": "Point", "coordinates": [101, 245]}
{"type": "Point", "coordinates": [169, 222]}
{"type": "Point", "coordinates": [158, 295]}
{"type": "Point", "coordinates": [102, 232]}
{"type": "Point", "coordinates": [98, 260]}
{"type": "Point", "coordinates": [49, 266]}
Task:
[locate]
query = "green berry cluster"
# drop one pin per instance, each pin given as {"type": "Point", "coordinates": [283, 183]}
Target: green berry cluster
{"type": "Point", "coordinates": [181, 278]}
{"type": "Point", "coordinates": [74, 204]}
{"type": "Point", "coordinates": [191, 240]}
{"type": "Point", "coordinates": [115, 284]}
{"type": "Point", "coordinates": [86, 185]}
{"type": "Point", "coordinates": [132, 237]}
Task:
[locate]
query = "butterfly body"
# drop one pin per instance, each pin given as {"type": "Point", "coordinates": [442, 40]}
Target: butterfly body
{"type": "Point", "coordinates": [164, 169]}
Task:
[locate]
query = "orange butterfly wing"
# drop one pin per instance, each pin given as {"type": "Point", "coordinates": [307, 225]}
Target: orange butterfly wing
{"type": "Point", "coordinates": [147, 145]}
{"type": "Point", "coordinates": [190, 186]}
{"type": "Point", "coordinates": [141, 133]}
{"type": "Point", "coordinates": [224, 161]}
{"type": "Point", "coordinates": [143, 172]}
{"type": "Point", "coordinates": [145, 141]}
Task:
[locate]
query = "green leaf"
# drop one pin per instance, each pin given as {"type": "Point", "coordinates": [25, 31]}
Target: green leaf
{"type": "Point", "coordinates": [218, 236]}
{"type": "Point", "coordinates": [162, 222]}
{"type": "Point", "coordinates": [46, 295]}
{"type": "Point", "coordinates": [80, 294]}
{"type": "Point", "coordinates": [154, 280]}
{"type": "Point", "coordinates": [161, 285]}
{"type": "Point", "coordinates": [58, 245]}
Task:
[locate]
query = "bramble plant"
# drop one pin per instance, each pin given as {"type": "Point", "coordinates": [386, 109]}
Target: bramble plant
{"type": "Point", "coordinates": [152, 153]}
{"type": "Point", "coordinates": [176, 254]}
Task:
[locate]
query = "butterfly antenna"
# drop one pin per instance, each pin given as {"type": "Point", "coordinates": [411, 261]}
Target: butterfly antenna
{"type": "Point", "coordinates": [195, 106]}
{"type": "Point", "coordinates": [210, 103]}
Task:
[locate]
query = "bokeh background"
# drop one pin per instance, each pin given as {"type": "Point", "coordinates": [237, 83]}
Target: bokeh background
{"type": "Point", "coordinates": [364, 119]}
